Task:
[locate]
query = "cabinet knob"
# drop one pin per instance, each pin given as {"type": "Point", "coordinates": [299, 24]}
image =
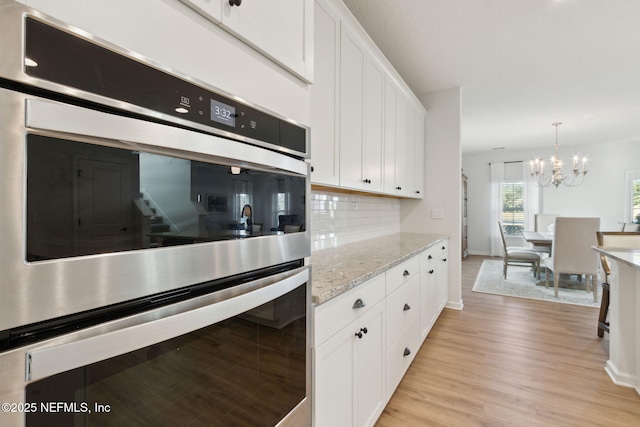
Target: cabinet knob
{"type": "Point", "coordinates": [364, 330]}
{"type": "Point", "coordinates": [366, 181]}
{"type": "Point", "coordinates": [312, 169]}
{"type": "Point", "coordinates": [429, 257]}
{"type": "Point", "coordinates": [235, 3]}
{"type": "Point", "coordinates": [359, 303]}
{"type": "Point", "coordinates": [359, 334]}
{"type": "Point", "coordinates": [406, 351]}
{"type": "Point", "coordinates": [398, 188]}
{"type": "Point", "coordinates": [430, 271]}
{"type": "Point", "coordinates": [406, 307]}
{"type": "Point", "coordinates": [417, 191]}
{"type": "Point", "coordinates": [443, 248]}
{"type": "Point", "coordinates": [406, 273]}
{"type": "Point", "coordinates": [444, 259]}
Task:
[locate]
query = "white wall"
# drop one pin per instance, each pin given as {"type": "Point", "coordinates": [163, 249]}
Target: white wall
{"type": "Point", "coordinates": [443, 182]}
{"type": "Point", "coordinates": [174, 35]}
{"type": "Point", "coordinates": [601, 195]}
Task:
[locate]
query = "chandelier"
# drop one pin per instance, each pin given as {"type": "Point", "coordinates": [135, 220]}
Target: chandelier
{"type": "Point", "coordinates": [556, 177]}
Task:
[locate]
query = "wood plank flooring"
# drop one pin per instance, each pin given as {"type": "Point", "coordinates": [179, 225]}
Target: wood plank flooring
{"type": "Point", "coordinates": [505, 361]}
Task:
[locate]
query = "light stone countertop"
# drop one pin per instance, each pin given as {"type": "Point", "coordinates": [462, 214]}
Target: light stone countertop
{"type": "Point", "coordinates": [336, 270]}
{"type": "Point", "coordinates": [630, 257]}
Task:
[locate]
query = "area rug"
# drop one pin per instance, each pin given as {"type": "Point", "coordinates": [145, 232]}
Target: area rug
{"type": "Point", "coordinates": [521, 283]}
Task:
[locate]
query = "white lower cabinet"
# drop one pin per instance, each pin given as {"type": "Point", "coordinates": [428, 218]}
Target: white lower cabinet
{"type": "Point", "coordinates": [434, 285]}
{"type": "Point", "coordinates": [403, 318]}
{"type": "Point", "coordinates": [349, 366]}
{"type": "Point", "coordinates": [365, 339]}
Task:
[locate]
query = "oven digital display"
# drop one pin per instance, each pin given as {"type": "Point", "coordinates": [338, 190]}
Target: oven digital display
{"type": "Point", "coordinates": [223, 113]}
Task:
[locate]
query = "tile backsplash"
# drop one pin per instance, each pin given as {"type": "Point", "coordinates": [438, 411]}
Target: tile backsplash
{"type": "Point", "coordinates": [339, 218]}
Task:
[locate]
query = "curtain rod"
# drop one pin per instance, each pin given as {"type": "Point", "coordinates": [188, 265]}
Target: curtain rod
{"type": "Point", "coordinates": [513, 161]}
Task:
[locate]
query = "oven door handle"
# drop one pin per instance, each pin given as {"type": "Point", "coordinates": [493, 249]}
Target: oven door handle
{"type": "Point", "coordinates": [160, 325]}
{"type": "Point", "coordinates": [55, 118]}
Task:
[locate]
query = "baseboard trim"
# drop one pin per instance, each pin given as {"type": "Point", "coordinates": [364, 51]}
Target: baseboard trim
{"type": "Point", "coordinates": [619, 378]}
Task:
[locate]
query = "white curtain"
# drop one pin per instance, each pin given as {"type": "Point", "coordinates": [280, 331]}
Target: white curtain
{"type": "Point", "coordinates": [531, 197]}
{"type": "Point", "coordinates": [497, 177]}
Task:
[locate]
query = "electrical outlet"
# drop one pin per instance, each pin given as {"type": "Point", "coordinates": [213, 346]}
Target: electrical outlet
{"type": "Point", "coordinates": [436, 213]}
{"type": "Point", "coordinates": [354, 206]}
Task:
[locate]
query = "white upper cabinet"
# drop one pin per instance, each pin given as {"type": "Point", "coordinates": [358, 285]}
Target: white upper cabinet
{"type": "Point", "coordinates": [282, 30]}
{"type": "Point", "coordinates": [415, 176]}
{"type": "Point", "coordinates": [212, 9]}
{"type": "Point", "coordinates": [372, 150]}
{"type": "Point", "coordinates": [361, 107]}
{"type": "Point", "coordinates": [325, 108]}
{"type": "Point", "coordinates": [352, 64]}
{"type": "Point", "coordinates": [365, 122]}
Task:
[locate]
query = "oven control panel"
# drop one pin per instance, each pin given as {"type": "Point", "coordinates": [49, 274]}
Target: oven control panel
{"type": "Point", "coordinates": [69, 60]}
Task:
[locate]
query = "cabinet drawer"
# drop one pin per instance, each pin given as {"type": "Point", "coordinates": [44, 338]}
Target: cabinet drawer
{"type": "Point", "coordinates": [337, 313]}
{"type": "Point", "coordinates": [428, 257]}
{"type": "Point", "coordinates": [401, 354]}
{"type": "Point", "coordinates": [434, 253]}
{"type": "Point", "coordinates": [402, 306]}
{"type": "Point", "coordinates": [402, 273]}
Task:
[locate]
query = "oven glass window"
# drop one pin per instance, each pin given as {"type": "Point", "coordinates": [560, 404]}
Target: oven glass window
{"type": "Point", "coordinates": [249, 370]}
{"type": "Point", "coordinates": [85, 199]}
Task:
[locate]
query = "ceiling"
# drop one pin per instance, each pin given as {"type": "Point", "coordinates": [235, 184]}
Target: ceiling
{"type": "Point", "coordinates": [521, 65]}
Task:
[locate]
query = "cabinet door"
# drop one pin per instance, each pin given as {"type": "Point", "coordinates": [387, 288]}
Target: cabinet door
{"type": "Point", "coordinates": [443, 279]}
{"type": "Point", "coordinates": [415, 154]}
{"type": "Point", "coordinates": [334, 379]}
{"type": "Point", "coordinates": [281, 30]}
{"type": "Point", "coordinates": [325, 149]}
{"type": "Point", "coordinates": [210, 9]}
{"type": "Point", "coordinates": [369, 368]}
{"type": "Point", "coordinates": [390, 100]}
{"type": "Point", "coordinates": [352, 64]}
{"type": "Point", "coordinates": [428, 298]}
{"type": "Point", "coordinates": [373, 126]}
{"type": "Point", "coordinates": [400, 187]}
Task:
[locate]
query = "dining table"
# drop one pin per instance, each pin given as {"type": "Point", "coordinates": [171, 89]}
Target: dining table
{"type": "Point", "coordinates": [538, 238]}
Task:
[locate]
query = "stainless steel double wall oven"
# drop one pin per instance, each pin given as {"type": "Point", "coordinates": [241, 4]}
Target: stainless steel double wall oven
{"type": "Point", "coordinates": [154, 231]}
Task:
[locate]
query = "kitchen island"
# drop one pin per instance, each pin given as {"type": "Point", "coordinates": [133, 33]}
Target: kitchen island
{"type": "Point", "coordinates": [623, 366]}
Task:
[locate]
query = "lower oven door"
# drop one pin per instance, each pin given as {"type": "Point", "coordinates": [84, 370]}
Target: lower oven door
{"type": "Point", "coordinates": [237, 357]}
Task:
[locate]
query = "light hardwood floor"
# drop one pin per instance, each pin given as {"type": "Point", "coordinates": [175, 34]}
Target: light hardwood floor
{"type": "Point", "coordinates": [505, 361]}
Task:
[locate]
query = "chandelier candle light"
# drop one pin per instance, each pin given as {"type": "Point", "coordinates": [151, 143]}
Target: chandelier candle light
{"type": "Point", "coordinates": [556, 177]}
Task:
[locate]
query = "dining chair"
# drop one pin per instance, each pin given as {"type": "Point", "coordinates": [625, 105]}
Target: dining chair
{"type": "Point", "coordinates": [630, 226]}
{"type": "Point", "coordinates": [292, 228]}
{"type": "Point", "coordinates": [612, 239]}
{"type": "Point", "coordinates": [571, 251]}
{"type": "Point", "coordinates": [518, 256]}
{"type": "Point", "coordinates": [542, 223]}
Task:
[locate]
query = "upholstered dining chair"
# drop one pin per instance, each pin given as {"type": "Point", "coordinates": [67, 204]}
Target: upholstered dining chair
{"type": "Point", "coordinates": [630, 226]}
{"type": "Point", "coordinates": [571, 251]}
{"type": "Point", "coordinates": [516, 255]}
{"type": "Point", "coordinates": [612, 239]}
{"type": "Point", "coordinates": [542, 223]}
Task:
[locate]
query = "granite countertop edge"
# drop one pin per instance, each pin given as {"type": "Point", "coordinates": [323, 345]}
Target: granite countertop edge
{"type": "Point", "coordinates": [628, 256]}
{"type": "Point", "coordinates": [331, 284]}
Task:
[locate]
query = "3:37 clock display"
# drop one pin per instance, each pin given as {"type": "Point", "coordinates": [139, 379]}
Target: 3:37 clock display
{"type": "Point", "coordinates": [223, 113]}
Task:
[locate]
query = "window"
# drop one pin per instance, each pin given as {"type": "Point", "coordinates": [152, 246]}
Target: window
{"type": "Point", "coordinates": [632, 196]}
{"type": "Point", "coordinates": [635, 210]}
{"type": "Point", "coordinates": [513, 207]}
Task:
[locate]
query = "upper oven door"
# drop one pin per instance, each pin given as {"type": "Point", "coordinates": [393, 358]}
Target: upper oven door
{"type": "Point", "coordinates": [98, 207]}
